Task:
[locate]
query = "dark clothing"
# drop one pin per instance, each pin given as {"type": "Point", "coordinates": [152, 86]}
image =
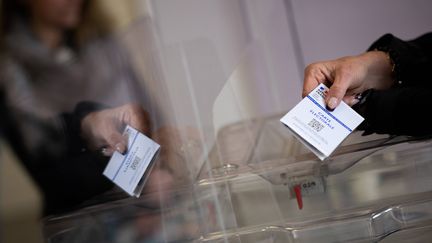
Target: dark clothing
{"type": "Point", "coordinates": [402, 109]}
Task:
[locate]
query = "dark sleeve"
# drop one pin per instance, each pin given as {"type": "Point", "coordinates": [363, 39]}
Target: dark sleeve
{"type": "Point", "coordinates": [77, 175]}
{"type": "Point", "coordinates": [68, 181]}
{"type": "Point", "coordinates": [72, 124]}
{"type": "Point", "coordinates": [401, 109]}
{"type": "Point", "coordinates": [398, 111]}
{"type": "Point", "coordinates": [412, 59]}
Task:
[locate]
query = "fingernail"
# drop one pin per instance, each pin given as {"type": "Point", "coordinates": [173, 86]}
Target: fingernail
{"type": "Point", "coordinates": [106, 152]}
{"type": "Point", "coordinates": [332, 103]}
{"type": "Point", "coordinates": [354, 101]}
{"type": "Point", "coordinates": [121, 148]}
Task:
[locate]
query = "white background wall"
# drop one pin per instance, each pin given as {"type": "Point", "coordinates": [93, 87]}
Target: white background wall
{"type": "Point", "coordinates": [334, 28]}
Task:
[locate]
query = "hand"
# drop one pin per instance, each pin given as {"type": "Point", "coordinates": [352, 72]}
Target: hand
{"type": "Point", "coordinates": [103, 129]}
{"type": "Point", "coordinates": [349, 76]}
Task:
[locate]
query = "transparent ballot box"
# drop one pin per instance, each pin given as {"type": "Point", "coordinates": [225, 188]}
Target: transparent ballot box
{"type": "Point", "coordinates": [367, 192]}
{"type": "Point", "coordinates": [218, 76]}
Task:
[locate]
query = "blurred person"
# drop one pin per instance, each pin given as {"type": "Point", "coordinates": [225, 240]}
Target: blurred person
{"type": "Point", "coordinates": [66, 95]}
{"type": "Point", "coordinates": [389, 84]}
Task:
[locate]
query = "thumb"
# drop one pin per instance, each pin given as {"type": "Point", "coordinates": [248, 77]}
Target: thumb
{"type": "Point", "coordinates": [336, 92]}
{"type": "Point", "coordinates": [117, 142]}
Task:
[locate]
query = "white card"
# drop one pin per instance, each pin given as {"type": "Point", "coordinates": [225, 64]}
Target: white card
{"type": "Point", "coordinates": [319, 129]}
{"type": "Point", "coordinates": [128, 171]}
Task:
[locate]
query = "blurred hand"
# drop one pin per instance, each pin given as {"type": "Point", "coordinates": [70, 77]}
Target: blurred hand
{"type": "Point", "coordinates": [349, 76]}
{"type": "Point", "coordinates": [103, 129]}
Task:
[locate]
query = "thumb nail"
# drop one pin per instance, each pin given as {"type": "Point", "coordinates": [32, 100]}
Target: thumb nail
{"type": "Point", "coordinates": [332, 103]}
{"type": "Point", "coordinates": [121, 148]}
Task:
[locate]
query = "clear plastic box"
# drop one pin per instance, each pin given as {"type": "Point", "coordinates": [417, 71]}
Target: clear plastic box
{"type": "Point", "coordinates": [220, 75]}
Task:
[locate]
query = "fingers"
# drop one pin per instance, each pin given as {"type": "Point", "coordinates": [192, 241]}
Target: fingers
{"type": "Point", "coordinates": [116, 142]}
{"type": "Point", "coordinates": [313, 76]}
{"type": "Point", "coordinates": [138, 118]}
{"type": "Point", "coordinates": [309, 84]}
{"type": "Point", "coordinates": [103, 129]}
{"type": "Point", "coordinates": [350, 100]}
{"type": "Point", "coordinates": [317, 73]}
{"type": "Point", "coordinates": [106, 151]}
{"type": "Point", "coordinates": [337, 91]}
{"type": "Point", "coordinates": [130, 114]}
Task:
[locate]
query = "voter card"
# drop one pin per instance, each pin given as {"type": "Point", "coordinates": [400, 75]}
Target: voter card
{"type": "Point", "coordinates": [129, 171]}
{"type": "Point", "coordinates": [316, 127]}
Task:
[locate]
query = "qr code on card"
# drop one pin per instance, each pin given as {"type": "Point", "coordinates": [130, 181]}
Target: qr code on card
{"type": "Point", "coordinates": [316, 125]}
{"type": "Point", "coordinates": [135, 163]}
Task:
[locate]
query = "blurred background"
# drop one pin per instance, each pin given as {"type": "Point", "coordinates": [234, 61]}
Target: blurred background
{"type": "Point", "coordinates": [20, 199]}
{"type": "Point", "coordinates": [206, 50]}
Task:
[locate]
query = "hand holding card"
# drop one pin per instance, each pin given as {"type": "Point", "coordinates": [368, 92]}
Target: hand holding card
{"type": "Point", "coordinates": [316, 127]}
{"type": "Point", "coordinates": [129, 171]}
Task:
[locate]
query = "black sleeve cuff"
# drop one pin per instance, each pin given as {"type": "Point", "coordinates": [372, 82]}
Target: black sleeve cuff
{"type": "Point", "coordinates": [410, 60]}
{"type": "Point", "coordinates": [396, 111]}
{"type": "Point", "coordinates": [72, 124]}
